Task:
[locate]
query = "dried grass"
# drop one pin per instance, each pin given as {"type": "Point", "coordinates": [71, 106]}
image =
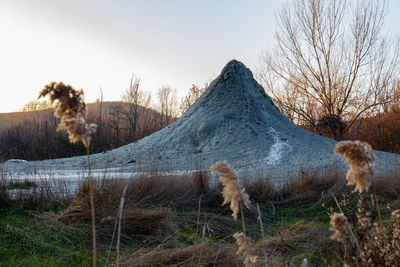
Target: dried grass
{"type": "Point", "coordinates": [106, 198]}
{"type": "Point", "coordinates": [283, 248]}
{"type": "Point", "coordinates": [260, 188]}
{"type": "Point", "coordinates": [310, 187]}
{"type": "Point", "coordinates": [203, 254]}
{"type": "Point", "coordinates": [143, 222]}
{"type": "Point", "coordinates": [299, 237]}
{"type": "Point", "coordinates": [201, 180]}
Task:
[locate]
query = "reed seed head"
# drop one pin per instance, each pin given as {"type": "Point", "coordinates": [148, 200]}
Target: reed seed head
{"type": "Point", "coordinates": [358, 156]}
{"type": "Point", "coordinates": [245, 249]}
{"type": "Point", "coordinates": [232, 192]}
{"type": "Point", "coordinates": [340, 225]}
{"type": "Point", "coordinates": [69, 105]}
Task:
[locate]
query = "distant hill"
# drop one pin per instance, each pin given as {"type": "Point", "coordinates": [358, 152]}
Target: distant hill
{"type": "Point", "coordinates": [33, 135]}
{"type": "Point", "coordinates": [14, 118]}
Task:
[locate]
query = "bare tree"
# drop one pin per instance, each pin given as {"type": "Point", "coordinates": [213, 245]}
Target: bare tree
{"type": "Point", "coordinates": [132, 98]}
{"type": "Point", "coordinates": [331, 63]}
{"type": "Point", "coordinates": [99, 103]}
{"type": "Point", "coordinates": [36, 105]}
{"type": "Point", "coordinates": [116, 116]}
{"type": "Point", "coordinates": [147, 116]}
{"type": "Point", "coordinates": [167, 101]}
{"type": "Point", "coordinates": [194, 93]}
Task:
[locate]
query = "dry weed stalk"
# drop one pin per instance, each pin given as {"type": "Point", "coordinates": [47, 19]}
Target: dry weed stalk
{"type": "Point", "coordinates": [120, 210]}
{"type": "Point", "coordinates": [69, 105]}
{"type": "Point", "coordinates": [232, 191]}
{"type": "Point", "coordinates": [245, 249]}
{"type": "Point", "coordinates": [359, 158]}
{"type": "Point", "coordinates": [380, 243]}
{"type": "Point", "coordinates": [375, 243]}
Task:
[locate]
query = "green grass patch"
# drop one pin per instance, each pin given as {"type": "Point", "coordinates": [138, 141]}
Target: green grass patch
{"type": "Point", "coordinates": [30, 240]}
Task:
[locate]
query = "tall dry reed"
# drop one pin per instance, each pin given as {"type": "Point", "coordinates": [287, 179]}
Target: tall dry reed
{"type": "Point", "coordinates": [70, 106]}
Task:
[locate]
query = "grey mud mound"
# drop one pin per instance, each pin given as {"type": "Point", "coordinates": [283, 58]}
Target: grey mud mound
{"type": "Point", "coordinates": [234, 120]}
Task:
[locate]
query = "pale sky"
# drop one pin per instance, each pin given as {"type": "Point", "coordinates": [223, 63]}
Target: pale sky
{"type": "Point", "coordinates": [98, 43]}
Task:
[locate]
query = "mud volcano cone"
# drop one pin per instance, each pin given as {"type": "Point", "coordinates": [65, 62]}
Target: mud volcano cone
{"type": "Point", "coordinates": [234, 120]}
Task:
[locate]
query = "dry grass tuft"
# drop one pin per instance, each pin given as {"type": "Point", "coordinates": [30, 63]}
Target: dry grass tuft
{"type": "Point", "coordinates": [282, 247]}
{"type": "Point", "coordinates": [69, 105]}
{"type": "Point", "coordinates": [202, 254]}
{"type": "Point", "coordinates": [104, 197]}
{"type": "Point", "coordinates": [260, 188]}
{"type": "Point", "coordinates": [310, 187]}
{"type": "Point", "coordinates": [359, 158]}
{"type": "Point", "coordinates": [299, 237]}
{"type": "Point", "coordinates": [201, 180]}
{"type": "Point", "coordinates": [232, 191]}
{"type": "Point", "coordinates": [137, 221]}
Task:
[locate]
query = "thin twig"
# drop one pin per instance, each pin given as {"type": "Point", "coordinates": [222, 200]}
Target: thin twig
{"type": "Point", "coordinates": [263, 236]}
{"type": "Point", "coordinates": [91, 184]}
{"type": "Point", "coordinates": [350, 227]}
{"type": "Point", "coordinates": [377, 205]}
{"type": "Point", "coordinates": [243, 224]}
{"type": "Point", "coordinates": [112, 241]}
{"type": "Point", "coordinates": [121, 208]}
{"type": "Point", "coordinates": [197, 225]}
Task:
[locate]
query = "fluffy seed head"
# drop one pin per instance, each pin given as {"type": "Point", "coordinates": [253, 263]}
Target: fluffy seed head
{"type": "Point", "coordinates": [340, 225]}
{"type": "Point", "coordinates": [359, 158]}
{"type": "Point", "coordinates": [245, 250]}
{"type": "Point", "coordinates": [227, 173]}
{"type": "Point", "coordinates": [232, 191]}
{"type": "Point", "coordinates": [69, 105]}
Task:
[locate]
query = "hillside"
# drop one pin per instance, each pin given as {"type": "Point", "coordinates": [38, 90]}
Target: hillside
{"type": "Point", "coordinates": [13, 118]}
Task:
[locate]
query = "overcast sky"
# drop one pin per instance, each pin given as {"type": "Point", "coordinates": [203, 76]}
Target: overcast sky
{"type": "Point", "coordinates": [97, 43]}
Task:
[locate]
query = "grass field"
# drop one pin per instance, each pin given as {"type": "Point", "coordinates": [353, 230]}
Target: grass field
{"type": "Point", "coordinates": [179, 221]}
